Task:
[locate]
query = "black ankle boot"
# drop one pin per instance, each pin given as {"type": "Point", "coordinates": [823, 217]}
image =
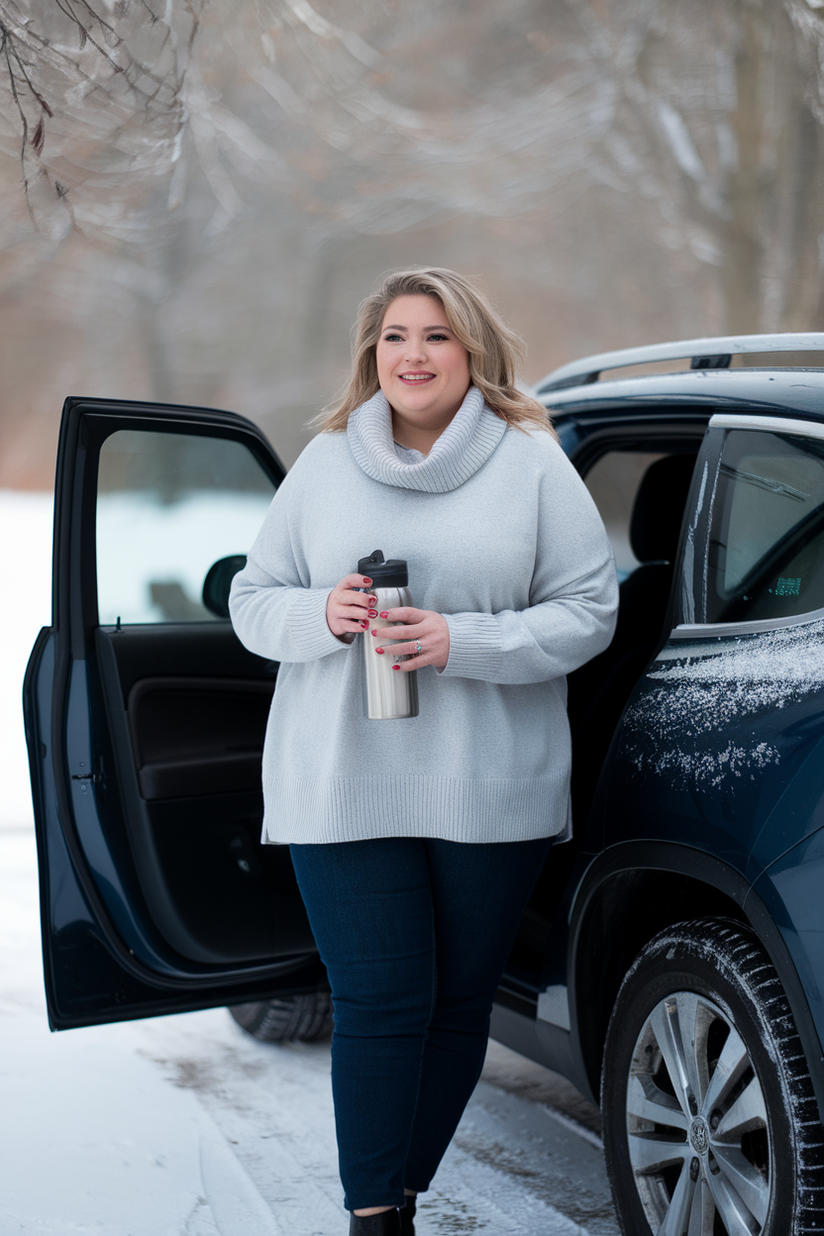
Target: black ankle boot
{"type": "Point", "coordinates": [387, 1223]}
{"type": "Point", "coordinates": [407, 1214]}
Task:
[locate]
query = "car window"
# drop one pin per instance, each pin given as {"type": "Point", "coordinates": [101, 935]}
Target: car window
{"type": "Point", "coordinates": [613, 482]}
{"type": "Point", "coordinates": [169, 506]}
{"type": "Point", "coordinates": [765, 557]}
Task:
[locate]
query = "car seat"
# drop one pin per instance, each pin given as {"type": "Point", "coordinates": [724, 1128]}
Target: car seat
{"type": "Point", "coordinates": [599, 690]}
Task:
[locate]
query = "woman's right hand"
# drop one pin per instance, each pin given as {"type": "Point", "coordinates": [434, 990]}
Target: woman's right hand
{"type": "Point", "coordinates": [347, 610]}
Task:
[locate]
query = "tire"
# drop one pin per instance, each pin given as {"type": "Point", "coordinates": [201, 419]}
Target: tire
{"type": "Point", "coordinates": [292, 1018]}
{"type": "Point", "coordinates": [711, 1127]}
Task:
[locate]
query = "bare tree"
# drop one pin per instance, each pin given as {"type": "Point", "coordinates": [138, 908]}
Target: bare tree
{"type": "Point", "coordinates": [214, 184]}
{"type": "Point", "coordinates": [709, 115]}
{"type": "Point", "coordinates": [93, 99]}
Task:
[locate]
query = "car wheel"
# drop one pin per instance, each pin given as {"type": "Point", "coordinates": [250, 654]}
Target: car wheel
{"type": "Point", "coordinates": [304, 1018]}
{"type": "Point", "coordinates": [711, 1127]}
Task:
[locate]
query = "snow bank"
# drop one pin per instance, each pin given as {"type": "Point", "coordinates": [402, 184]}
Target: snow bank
{"type": "Point", "coordinates": [25, 589]}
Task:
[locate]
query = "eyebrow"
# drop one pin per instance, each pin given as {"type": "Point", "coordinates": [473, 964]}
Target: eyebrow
{"type": "Point", "coordinates": [398, 327]}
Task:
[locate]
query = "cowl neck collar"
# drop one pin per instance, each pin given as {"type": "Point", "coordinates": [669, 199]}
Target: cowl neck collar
{"type": "Point", "coordinates": [463, 447]}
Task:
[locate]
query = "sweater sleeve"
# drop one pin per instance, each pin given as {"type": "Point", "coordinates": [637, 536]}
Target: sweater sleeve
{"type": "Point", "coordinates": [273, 612]}
{"type": "Point", "coordinates": [573, 598]}
{"type": "Point", "coordinates": [545, 641]}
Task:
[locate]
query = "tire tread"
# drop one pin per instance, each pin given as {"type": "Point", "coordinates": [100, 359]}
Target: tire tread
{"type": "Point", "coordinates": [735, 953]}
{"type": "Point", "coordinates": [304, 1018]}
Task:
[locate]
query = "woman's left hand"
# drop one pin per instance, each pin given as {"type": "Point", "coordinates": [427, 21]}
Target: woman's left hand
{"type": "Point", "coordinates": [421, 627]}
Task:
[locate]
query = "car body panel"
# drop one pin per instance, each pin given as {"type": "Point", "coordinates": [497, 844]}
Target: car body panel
{"type": "Point", "coordinates": [735, 772]}
{"type": "Point", "coordinates": [790, 891]}
{"type": "Point", "coordinates": [789, 392]}
{"type": "Point", "coordinates": [715, 789]}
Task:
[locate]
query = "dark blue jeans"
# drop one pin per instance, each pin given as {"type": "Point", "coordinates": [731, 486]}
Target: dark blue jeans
{"type": "Point", "coordinates": [414, 933]}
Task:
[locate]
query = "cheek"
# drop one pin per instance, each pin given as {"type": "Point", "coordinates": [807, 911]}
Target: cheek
{"type": "Point", "coordinates": [382, 365]}
{"type": "Point", "coordinates": [459, 366]}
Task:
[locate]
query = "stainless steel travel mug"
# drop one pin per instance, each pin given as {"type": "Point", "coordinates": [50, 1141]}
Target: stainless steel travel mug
{"type": "Point", "coordinates": [389, 693]}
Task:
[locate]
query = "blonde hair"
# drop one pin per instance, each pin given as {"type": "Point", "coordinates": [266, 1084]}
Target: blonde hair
{"type": "Point", "coordinates": [494, 349]}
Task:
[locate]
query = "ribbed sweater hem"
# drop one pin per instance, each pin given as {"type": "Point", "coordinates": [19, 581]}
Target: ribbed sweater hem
{"type": "Point", "coordinates": [312, 811]}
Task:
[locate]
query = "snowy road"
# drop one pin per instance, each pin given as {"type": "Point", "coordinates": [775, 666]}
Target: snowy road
{"type": "Point", "coordinates": [185, 1126]}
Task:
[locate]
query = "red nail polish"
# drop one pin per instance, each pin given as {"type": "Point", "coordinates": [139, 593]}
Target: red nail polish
{"type": "Point", "coordinates": [366, 580]}
{"type": "Point", "coordinates": [374, 632]}
{"type": "Point", "coordinates": [372, 601]}
{"type": "Point", "coordinates": [364, 623]}
{"type": "Point", "coordinates": [372, 613]}
{"type": "Point", "coordinates": [380, 651]}
{"type": "Point", "coordinates": [384, 613]}
{"type": "Point", "coordinates": [397, 667]}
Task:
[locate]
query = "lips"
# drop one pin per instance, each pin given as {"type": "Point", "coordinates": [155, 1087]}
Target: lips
{"type": "Point", "coordinates": [416, 378]}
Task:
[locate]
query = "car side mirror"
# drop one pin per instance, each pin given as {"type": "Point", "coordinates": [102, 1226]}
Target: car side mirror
{"type": "Point", "coordinates": [218, 581]}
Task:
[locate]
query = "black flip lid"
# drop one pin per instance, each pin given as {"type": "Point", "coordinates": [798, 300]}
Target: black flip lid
{"type": "Point", "coordinates": [391, 574]}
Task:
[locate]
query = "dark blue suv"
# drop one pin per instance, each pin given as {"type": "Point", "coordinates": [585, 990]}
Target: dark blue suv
{"type": "Point", "coordinates": [671, 960]}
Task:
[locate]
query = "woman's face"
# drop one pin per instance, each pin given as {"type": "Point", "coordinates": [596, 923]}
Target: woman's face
{"type": "Point", "coordinates": [422, 368]}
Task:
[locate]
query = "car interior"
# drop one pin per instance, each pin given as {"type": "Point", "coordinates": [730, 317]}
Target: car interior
{"type": "Point", "coordinates": [641, 495]}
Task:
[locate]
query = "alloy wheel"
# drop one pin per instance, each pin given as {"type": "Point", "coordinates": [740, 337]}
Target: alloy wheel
{"type": "Point", "coordinates": [697, 1127]}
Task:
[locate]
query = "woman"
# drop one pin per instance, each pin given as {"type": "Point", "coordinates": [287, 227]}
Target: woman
{"type": "Point", "coordinates": [417, 842]}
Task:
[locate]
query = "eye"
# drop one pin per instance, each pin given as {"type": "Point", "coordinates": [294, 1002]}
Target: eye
{"type": "Point", "coordinates": [393, 337]}
{"type": "Point", "coordinates": [438, 337]}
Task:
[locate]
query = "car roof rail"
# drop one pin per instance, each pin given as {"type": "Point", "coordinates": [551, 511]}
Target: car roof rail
{"type": "Point", "coordinates": [715, 353]}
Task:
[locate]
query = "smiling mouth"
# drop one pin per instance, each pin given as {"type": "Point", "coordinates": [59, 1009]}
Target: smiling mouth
{"type": "Point", "coordinates": [416, 377]}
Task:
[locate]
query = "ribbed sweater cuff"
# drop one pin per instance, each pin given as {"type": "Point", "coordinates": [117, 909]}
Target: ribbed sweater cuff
{"type": "Point", "coordinates": [307, 624]}
{"type": "Point", "coordinates": [474, 646]}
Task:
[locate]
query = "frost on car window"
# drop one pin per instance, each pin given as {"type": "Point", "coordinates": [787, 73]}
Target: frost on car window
{"type": "Point", "coordinates": [694, 727]}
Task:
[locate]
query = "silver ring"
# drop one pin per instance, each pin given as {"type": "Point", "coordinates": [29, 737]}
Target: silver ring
{"type": "Point", "coordinates": [418, 649]}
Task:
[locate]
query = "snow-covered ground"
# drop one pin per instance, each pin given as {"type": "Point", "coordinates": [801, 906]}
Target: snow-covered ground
{"type": "Point", "coordinates": [25, 607]}
{"type": "Point", "coordinates": [185, 1126]}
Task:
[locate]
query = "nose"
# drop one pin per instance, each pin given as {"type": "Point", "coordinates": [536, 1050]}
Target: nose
{"type": "Point", "coordinates": [415, 351]}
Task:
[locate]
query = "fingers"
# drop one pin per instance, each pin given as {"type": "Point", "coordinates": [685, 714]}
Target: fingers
{"type": "Point", "coordinates": [401, 632]}
{"type": "Point", "coordinates": [350, 592]}
{"type": "Point", "coordinates": [424, 624]}
{"type": "Point", "coordinates": [353, 604]}
{"type": "Point", "coordinates": [411, 623]}
{"type": "Point", "coordinates": [405, 650]}
{"type": "Point", "coordinates": [347, 609]}
{"type": "Point", "coordinates": [422, 635]}
{"type": "Point", "coordinates": [355, 581]}
{"type": "Point", "coordinates": [406, 614]}
{"type": "Point", "coordinates": [410, 659]}
{"type": "Point", "coordinates": [421, 643]}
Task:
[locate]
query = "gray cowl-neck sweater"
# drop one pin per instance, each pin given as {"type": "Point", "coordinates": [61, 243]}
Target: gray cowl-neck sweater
{"type": "Point", "coordinates": [503, 539]}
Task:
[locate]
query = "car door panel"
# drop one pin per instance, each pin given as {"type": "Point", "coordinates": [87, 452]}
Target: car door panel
{"type": "Point", "coordinates": [201, 737]}
{"type": "Point", "coordinates": [189, 747]}
{"type": "Point", "coordinates": [145, 737]}
{"type": "Point", "coordinates": [718, 745]}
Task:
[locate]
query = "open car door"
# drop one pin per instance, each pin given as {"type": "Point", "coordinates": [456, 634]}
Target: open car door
{"type": "Point", "coordinates": [145, 719]}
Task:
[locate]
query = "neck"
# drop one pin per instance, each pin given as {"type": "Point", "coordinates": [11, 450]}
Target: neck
{"type": "Point", "coordinates": [418, 437]}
